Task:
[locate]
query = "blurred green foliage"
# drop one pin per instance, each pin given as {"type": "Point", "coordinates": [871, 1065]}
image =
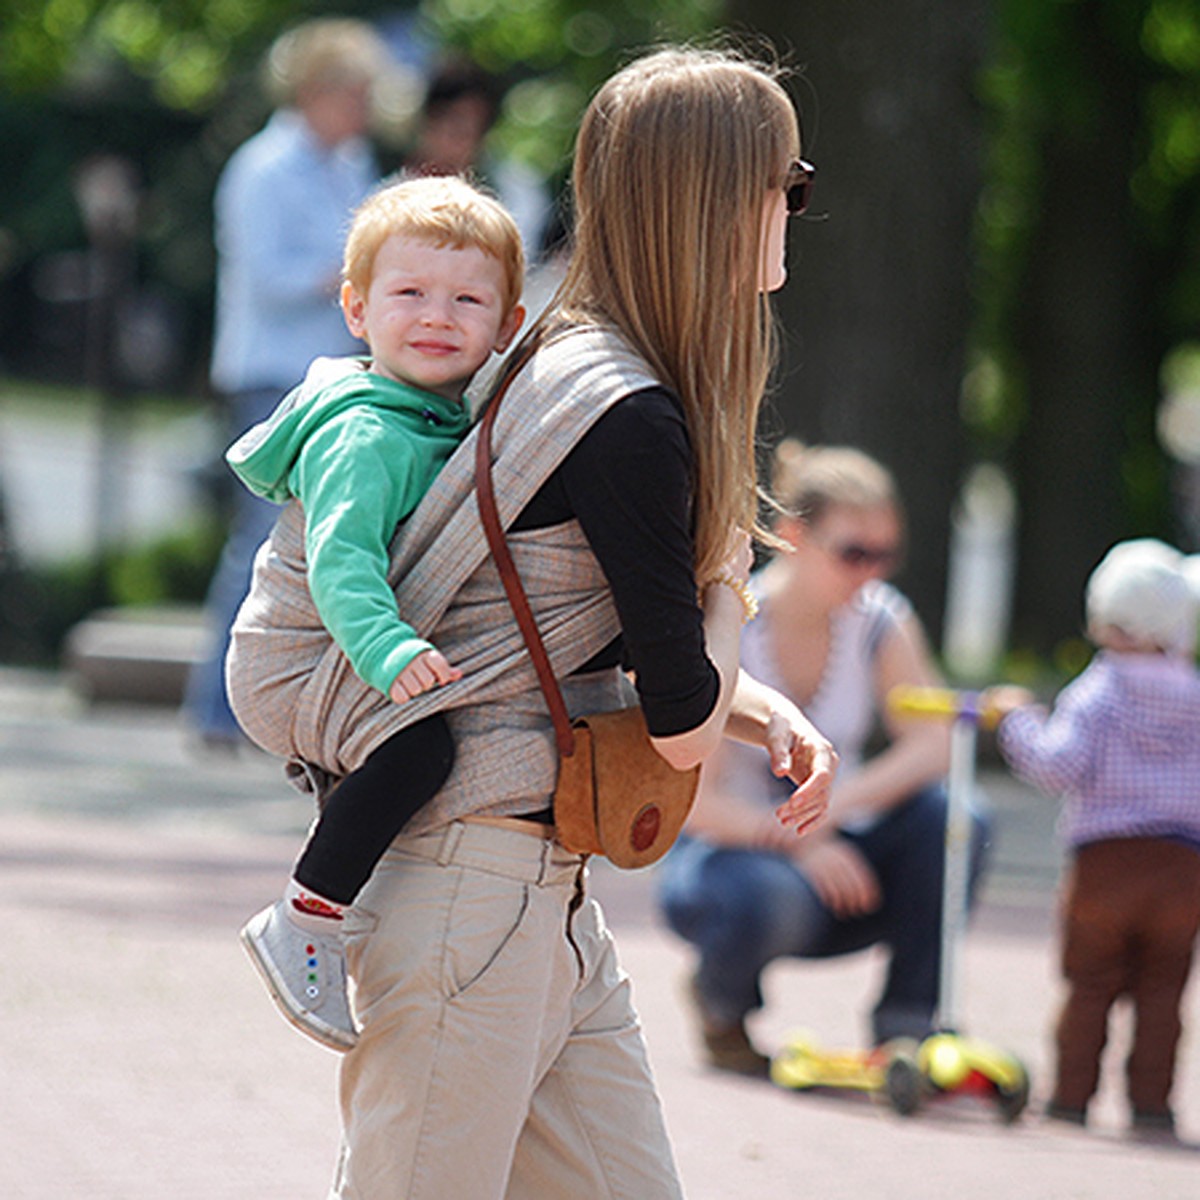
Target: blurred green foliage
{"type": "Point", "coordinates": [38, 606]}
{"type": "Point", "coordinates": [172, 85]}
{"type": "Point", "coordinates": [559, 51]}
{"type": "Point", "coordinates": [187, 52]}
{"type": "Point", "coordinates": [1036, 82]}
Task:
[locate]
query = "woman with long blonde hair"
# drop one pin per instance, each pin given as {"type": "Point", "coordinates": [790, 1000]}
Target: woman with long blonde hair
{"type": "Point", "coordinates": [499, 1053]}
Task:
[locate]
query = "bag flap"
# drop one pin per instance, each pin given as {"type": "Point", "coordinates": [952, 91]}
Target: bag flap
{"type": "Point", "coordinates": [642, 802]}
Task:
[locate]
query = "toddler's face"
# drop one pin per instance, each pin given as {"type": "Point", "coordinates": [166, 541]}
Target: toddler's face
{"type": "Point", "coordinates": [432, 314]}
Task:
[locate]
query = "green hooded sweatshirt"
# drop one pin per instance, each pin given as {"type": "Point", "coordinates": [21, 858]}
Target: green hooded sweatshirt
{"type": "Point", "coordinates": [358, 451]}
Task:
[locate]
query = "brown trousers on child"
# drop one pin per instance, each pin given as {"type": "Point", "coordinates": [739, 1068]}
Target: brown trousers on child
{"type": "Point", "coordinates": [1131, 912]}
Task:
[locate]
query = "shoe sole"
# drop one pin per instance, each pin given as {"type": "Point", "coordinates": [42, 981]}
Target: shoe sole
{"type": "Point", "coordinates": [306, 1022]}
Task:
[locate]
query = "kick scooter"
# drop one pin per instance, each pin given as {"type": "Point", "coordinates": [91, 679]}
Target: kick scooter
{"type": "Point", "coordinates": [907, 1073]}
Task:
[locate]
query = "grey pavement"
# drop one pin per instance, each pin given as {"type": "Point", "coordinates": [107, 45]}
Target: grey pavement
{"type": "Point", "coordinates": [140, 1059]}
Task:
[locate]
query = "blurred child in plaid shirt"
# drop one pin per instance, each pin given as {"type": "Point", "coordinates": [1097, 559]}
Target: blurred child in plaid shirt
{"type": "Point", "coordinates": [1122, 747]}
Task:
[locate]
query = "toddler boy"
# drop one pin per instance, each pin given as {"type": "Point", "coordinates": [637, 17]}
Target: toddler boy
{"type": "Point", "coordinates": [432, 277]}
{"type": "Point", "coordinates": [1122, 745]}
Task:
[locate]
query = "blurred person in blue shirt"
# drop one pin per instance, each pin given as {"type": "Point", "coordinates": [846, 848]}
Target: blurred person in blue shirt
{"type": "Point", "coordinates": [281, 210]}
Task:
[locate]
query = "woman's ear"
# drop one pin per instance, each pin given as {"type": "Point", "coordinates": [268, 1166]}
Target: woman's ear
{"type": "Point", "coordinates": [791, 529]}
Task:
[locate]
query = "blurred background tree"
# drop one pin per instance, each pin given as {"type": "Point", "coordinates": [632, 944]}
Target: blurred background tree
{"type": "Point", "coordinates": [877, 310]}
{"type": "Point", "coordinates": [1003, 252]}
{"type": "Point", "coordinates": [1089, 279]}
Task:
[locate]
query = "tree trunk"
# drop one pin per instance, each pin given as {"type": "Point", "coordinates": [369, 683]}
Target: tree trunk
{"type": "Point", "coordinates": [1082, 336]}
{"type": "Point", "coordinates": [877, 308]}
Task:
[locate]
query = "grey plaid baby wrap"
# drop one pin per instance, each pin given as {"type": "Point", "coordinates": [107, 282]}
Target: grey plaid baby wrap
{"type": "Point", "coordinates": [292, 688]}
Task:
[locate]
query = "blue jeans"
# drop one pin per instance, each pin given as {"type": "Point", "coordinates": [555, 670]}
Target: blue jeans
{"type": "Point", "coordinates": [744, 908]}
{"type": "Point", "coordinates": [205, 703]}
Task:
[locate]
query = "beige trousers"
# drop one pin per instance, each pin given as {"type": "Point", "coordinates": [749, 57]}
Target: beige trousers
{"type": "Point", "coordinates": [500, 1056]}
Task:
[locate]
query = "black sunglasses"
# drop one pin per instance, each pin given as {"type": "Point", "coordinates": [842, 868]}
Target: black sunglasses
{"type": "Point", "coordinates": [798, 185]}
{"type": "Point", "coordinates": [856, 555]}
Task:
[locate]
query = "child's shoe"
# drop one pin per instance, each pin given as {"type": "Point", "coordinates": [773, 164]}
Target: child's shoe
{"type": "Point", "coordinates": [1154, 1128]}
{"type": "Point", "coordinates": [1065, 1114]}
{"type": "Point", "coordinates": [305, 973]}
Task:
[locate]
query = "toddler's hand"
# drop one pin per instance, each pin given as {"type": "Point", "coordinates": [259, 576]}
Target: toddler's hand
{"type": "Point", "coordinates": [1003, 698]}
{"type": "Point", "coordinates": [427, 671]}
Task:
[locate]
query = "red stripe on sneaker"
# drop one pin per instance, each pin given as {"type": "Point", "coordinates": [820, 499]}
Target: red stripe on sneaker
{"type": "Point", "coordinates": [315, 908]}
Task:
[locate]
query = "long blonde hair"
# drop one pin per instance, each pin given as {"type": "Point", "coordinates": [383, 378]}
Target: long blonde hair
{"type": "Point", "coordinates": [673, 162]}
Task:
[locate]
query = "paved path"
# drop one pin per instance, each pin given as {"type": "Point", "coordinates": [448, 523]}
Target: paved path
{"type": "Point", "coordinates": [139, 1059]}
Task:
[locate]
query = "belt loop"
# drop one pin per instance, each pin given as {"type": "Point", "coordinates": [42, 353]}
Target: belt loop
{"type": "Point", "coordinates": [454, 835]}
{"type": "Point", "coordinates": [544, 861]}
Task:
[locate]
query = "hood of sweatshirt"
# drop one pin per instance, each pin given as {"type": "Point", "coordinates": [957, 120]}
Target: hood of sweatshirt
{"type": "Point", "coordinates": [263, 457]}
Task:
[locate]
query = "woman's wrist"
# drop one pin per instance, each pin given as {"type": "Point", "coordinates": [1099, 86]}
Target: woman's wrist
{"type": "Point", "coordinates": [778, 838]}
{"type": "Point", "coordinates": [770, 834]}
{"type": "Point", "coordinates": [727, 579]}
{"type": "Point", "coordinates": [767, 833]}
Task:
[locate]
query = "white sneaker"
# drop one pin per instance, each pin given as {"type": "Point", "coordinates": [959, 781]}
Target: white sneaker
{"type": "Point", "coordinates": [305, 974]}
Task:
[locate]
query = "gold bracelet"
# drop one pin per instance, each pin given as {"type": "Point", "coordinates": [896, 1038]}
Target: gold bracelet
{"type": "Point", "coordinates": [743, 593]}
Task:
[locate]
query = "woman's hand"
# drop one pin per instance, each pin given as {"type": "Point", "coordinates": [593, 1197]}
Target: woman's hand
{"type": "Point", "coordinates": [844, 881]}
{"type": "Point", "coordinates": [798, 751]}
{"type": "Point", "coordinates": [428, 670]}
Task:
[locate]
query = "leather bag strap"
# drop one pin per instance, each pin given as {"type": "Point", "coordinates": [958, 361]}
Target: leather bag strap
{"type": "Point", "coordinates": [513, 588]}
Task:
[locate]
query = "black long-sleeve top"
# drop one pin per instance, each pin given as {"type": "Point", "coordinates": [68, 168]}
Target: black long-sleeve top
{"type": "Point", "coordinates": [628, 481]}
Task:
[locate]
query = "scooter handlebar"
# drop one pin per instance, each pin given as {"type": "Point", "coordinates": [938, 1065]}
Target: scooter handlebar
{"type": "Point", "coordinates": [943, 704]}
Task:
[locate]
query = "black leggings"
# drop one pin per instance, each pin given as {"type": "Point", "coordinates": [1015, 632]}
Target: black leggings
{"type": "Point", "coordinates": [371, 805]}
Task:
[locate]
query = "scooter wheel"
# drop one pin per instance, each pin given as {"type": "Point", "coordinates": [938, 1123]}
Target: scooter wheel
{"type": "Point", "coordinates": [1011, 1100]}
{"type": "Point", "coordinates": [903, 1083]}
